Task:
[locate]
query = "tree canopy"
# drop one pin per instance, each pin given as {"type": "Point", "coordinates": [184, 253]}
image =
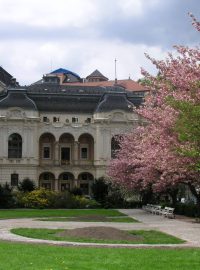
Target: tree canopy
{"type": "Point", "coordinates": [165, 153]}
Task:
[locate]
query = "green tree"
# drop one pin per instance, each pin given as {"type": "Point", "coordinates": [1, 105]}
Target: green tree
{"type": "Point", "coordinates": [26, 185]}
{"type": "Point", "coordinates": [188, 129]}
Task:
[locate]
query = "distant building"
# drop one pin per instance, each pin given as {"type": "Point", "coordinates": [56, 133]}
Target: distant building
{"type": "Point", "coordinates": [60, 131]}
{"type": "Point", "coordinates": [96, 76]}
{"type": "Point", "coordinates": [6, 79]}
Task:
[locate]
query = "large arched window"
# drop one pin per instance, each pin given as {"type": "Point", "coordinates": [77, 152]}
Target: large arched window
{"type": "Point", "coordinates": [115, 146]}
{"type": "Point", "coordinates": [14, 146]}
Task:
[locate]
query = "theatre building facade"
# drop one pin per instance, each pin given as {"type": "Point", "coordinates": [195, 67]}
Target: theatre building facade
{"type": "Point", "coordinates": [62, 136]}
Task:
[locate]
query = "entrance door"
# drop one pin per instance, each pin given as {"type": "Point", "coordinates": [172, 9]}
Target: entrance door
{"type": "Point", "coordinates": [65, 155]}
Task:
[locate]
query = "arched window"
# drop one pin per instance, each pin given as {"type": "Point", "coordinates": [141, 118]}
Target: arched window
{"type": "Point", "coordinates": [115, 146]}
{"type": "Point", "coordinates": [14, 146]}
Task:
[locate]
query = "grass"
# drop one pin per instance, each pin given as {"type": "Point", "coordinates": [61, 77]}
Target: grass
{"type": "Point", "coordinates": [92, 219]}
{"type": "Point", "coordinates": [32, 213]}
{"type": "Point", "coordinates": [147, 237]}
{"type": "Point", "coordinates": [43, 257]}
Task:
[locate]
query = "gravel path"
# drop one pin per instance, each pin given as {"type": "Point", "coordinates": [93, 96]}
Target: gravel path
{"type": "Point", "coordinates": [185, 230]}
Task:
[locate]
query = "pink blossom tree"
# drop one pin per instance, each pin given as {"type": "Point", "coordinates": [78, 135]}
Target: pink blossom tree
{"type": "Point", "coordinates": [154, 156]}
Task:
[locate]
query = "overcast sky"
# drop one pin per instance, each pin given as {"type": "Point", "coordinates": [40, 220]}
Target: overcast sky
{"type": "Point", "coordinates": [38, 36]}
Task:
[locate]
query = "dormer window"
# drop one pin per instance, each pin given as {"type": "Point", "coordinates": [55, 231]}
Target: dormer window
{"type": "Point", "coordinates": [88, 120]}
{"type": "Point", "coordinates": [56, 119]}
{"type": "Point", "coordinates": [45, 119]}
{"type": "Point", "coordinates": [74, 119]}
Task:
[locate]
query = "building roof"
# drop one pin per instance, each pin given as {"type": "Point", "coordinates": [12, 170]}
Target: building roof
{"type": "Point", "coordinates": [64, 71]}
{"type": "Point", "coordinates": [127, 84]}
{"type": "Point", "coordinates": [112, 102]}
{"type": "Point", "coordinates": [17, 98]}
{"type": "Point", "coordinates": [5, 77]}
{"type": "Point", "coordinates": [70, 98]}
{"type": "Point", "coordinates": [97, 74]}
{"type": "Point", "coordinates": [64, 91]}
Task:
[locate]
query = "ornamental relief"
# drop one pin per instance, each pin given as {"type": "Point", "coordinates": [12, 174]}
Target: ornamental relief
{"type": "Point", "coordinates": [117, 117]}
{"type": "Point", "coordinates": [15, 114]}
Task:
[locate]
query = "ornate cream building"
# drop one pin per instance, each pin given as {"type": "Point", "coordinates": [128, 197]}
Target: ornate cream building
{"type": "Point", "coordinates": [61, 134]}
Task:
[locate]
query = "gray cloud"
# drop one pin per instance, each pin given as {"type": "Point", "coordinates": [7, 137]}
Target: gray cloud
{"type": "Point", "coordinates": [93, 36]}
{"type": "Point", "coordinates": [164, 24]}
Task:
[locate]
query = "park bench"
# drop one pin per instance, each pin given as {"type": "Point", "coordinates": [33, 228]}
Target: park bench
{"type": "Point", "coordinates": [168, 212]}
{"type": "Point", "coordinates": [157, 210]}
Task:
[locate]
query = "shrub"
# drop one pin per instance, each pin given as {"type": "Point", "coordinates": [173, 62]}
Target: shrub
{"type": "Point", "coordinates": [100, 190]}
{"type": "Point", "coordinates": [6, 196]}
{"type": "Point", "coordinates": [187, 209]}
{"type": "Point", "coordinates": [39, 198]}
{"type": "Point", "coordinates": [82, 202]}
{"type": "Point", "coordinates": [76, 191]}
{"type": "Point", "coordinates": [26, 185]}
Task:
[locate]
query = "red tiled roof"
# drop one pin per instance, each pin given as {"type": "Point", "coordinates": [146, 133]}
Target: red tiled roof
{"type": "Point", "coordinates": [127, 84]}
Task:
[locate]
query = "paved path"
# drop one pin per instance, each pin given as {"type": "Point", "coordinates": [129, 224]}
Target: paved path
{"type": "Point", "coordinates": [182, 229]}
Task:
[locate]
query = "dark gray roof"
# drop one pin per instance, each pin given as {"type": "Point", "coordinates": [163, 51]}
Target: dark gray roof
{"type": "Point", "coordinates": [112, 102]}
{"type": "Point", "coordinates": [17, 98]}
{"type": "Point", "coordinates": [5, 77]}
{"type": "Point", "coordinates": [70, 99]}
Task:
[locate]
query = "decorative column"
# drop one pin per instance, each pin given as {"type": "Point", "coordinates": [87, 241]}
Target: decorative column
{"type": "Point", "coordinates": [56, 186]}
{"type": "Point", "coordinates": [56, 154]}
{"type": "Point", "coordinates": [76, 159]}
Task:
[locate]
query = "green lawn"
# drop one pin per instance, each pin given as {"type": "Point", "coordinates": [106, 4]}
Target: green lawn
{"type": "Point", "coordinates": [32, 213]}
{"type": "Point", "coordinates": [92, 219]}
{"type": "Point", "coordinates": [147, 237]}
{"type": "Point", "coordinates": [15, 256]}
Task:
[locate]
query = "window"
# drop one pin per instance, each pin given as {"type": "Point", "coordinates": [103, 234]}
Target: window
{"type": "Point", "coordinates": [65, 155]}
{"type": "Point", "coordinates": [65, 186]}
{"type": "Point", "coordinates": [56, 119]}
{"type": "Point", "coordinates": [46, 186]}
{"type": "Point", "coordinates": [115, 146]}
{"type": "Point", "coordinates": [84, 176]}
{"type": "Point", "coordinates": [14, 179]}
{"type": "Point", "coordinates": [45, 119]}
{"type": "Point", "coordinates": [65, 176]}
{"type": "Point", "coordinates": [74, 119]}
{"type": "Point", "coordinates": [46, 152]}
{"type": "Point", "coordinates": [46, 176]}
{"type": "Point", "coordinates": [14, 146]}
{"type": "Point", "coordinates": [88, 120]}
{"type": "Point", "coordinates": [84, 152]}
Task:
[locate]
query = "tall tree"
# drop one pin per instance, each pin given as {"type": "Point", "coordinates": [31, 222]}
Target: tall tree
{"type": "Point", "coordinates": [155, 156]}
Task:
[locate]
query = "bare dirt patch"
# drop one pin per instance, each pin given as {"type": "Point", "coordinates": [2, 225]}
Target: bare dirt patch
{"type": "Point", "coordinates": [100, 233]}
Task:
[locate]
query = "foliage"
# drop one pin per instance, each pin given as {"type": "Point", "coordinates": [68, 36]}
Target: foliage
{"type": "Point", "coordinates": [100, 190]}
{"type": "Point", "coordinates": [161, 155]}
{"type": "Point", "coordinates": [108, 194]}
{"type": "Point", "coordinates": [188, 128]}
{"type": "Point", "coordinates": [6, 196]}
{"type": "Point", "coordinates": [26, 185]}
{"type": "Point", "coordinates": [42, 198]}
{"type": "Point", "coordinates": [76, 191]}
{"type": "Point", "coordinates": [187, 209]}
{"type": "Point", "coordinates": [39, 198]}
